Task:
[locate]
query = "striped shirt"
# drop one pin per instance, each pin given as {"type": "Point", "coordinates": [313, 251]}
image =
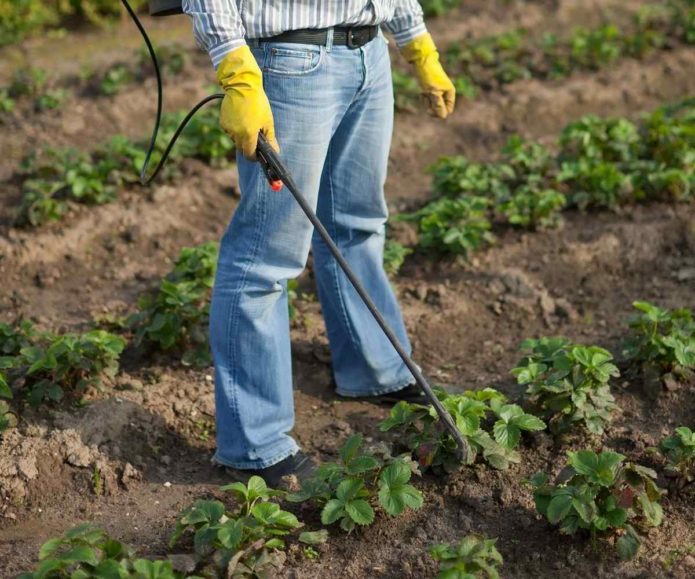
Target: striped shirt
{"type": "Point", "coordinates": [220, 26]}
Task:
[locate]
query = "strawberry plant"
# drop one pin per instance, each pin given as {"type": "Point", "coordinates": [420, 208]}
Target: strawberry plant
{"type": "Point", "coordinates": [349, 490]}
{"type": "Point", "coordinates": [48, 365]}
{"type": "Point", "coordinates": [423, 434]}
{"type": "Point", "coordinates": [86, 551]}
{"type": "Point", "coordinates": [453, 176]}
{"type": "Point", "coordinates": [7, 417]}
{"type": "Point", "coordinates": [661, 343]}
{"type": "Point", "coordinates": [533, 207]}
{"type": "Point", "coordinates": [600, 493]}
{"type": "Point", "coordinates": [27, 82]}
{"type": "Point", "coordinates": [394, 256]}
{"type": "Point", "coordinates": [243, 542]}
{"type": "Point", "coordinates": [59, 176]}
{"type": "Point", "coordinates": [599, 139]}
{"type": "Point", "coordinates": [176, 317]}
{"type": "Point", "coordinates": [51, 100]}
{"type": "Point", "coordinates": [115, 79]}
{"type": "Point", "coordinates": [471, 557]}
{"type": "Point", "coordinates": [455, 226]}
{"type": "Point", "coordinates": [568, 383]}
{"type": "Point", "coordinates": [679, 452]}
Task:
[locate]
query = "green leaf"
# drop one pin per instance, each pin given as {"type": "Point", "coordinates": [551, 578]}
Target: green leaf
{"type": "Point", "coordinates": [529, 422]}
{"type": "Point", "coordinates": [628, 545]}
{"type": "Point", "coordinates": [396, 474]}
{"type": "Point", "coordinates": [348, 489]}
{"type": "Point", "coordinates": [230, 534]}
{"type": "Point", "coordinates": [362, 464]}
{"type": "Point", "coordinates": [559, 507]}
{"type": "Point", "coordinates": [599, 468]}
{"type": "Point", "coordinates": [332, 511]}
{"type": "Point", "coordinates": [508, 435]}
{"type": "Point", "coordinates": [313, 537]}
{"type": "Point", "coordinates": [5, 391]}
{"type": "Point", "coordinates": [651, 509]}
{"type": "Point", "coordinates": [350, 448]}
{"type": "Point", "coordinates": [257, 488]}
{"type": "Point", "coordinates": [360, 511]}
{"type": "Point", "coordinates": [80, 554]}
{"type": "Point", "coordinates": [49, 547]}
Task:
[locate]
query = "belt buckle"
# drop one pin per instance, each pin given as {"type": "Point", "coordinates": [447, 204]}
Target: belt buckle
{"type": "Point", "coordinates": [350, 40]}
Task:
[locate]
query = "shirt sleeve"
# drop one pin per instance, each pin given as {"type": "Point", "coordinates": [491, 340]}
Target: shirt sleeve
{"type": "Point", "coordinates": [217, 26]}
{"type": "Point", "coordinates": [407, 23]}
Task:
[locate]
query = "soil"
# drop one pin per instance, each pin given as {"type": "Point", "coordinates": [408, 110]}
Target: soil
{"type": "Point", "coordinates": [139, 450]}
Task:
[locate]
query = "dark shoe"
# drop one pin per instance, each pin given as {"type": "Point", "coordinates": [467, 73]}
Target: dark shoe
{"type": "Point", "coordinates": [411, 394]}
{"type": "Point", "coordinates": [278, 475]}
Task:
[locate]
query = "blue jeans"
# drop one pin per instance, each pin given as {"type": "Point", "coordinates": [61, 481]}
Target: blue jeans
{"type": "Point", "coordinates": [333, 111]}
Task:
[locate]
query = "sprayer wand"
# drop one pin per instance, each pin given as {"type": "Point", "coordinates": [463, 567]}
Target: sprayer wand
{"type": "Point", "coordinates": [277, 174]}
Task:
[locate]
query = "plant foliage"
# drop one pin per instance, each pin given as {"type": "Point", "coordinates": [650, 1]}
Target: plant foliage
{"type": "Point", "coordinates": [568, 383]}
{"type": "Point", "coordinates": [85, 551]}
{"type": "Point", "coordinates": [471, 557]}
{"type": "Point", "coordinates": [661, 343]}
{"type": "Point", "coordinates": [491, 427]}
{"type": "Point", "coordinates": [679, 452]}
{"type": "Point", "coordinates": [242, 542]}
{"type": "Point", "coordinates": [177, 316]}
{"type": "Point", "coordinates": [600, 493]}
{"type": "Point", "coordinates": [44, 367]}
{"type": "Point", "coordinates": [348, 491]}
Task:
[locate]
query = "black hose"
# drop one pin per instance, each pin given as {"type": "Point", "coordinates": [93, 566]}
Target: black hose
{"type": "Point", "coordinates": [144, 179]}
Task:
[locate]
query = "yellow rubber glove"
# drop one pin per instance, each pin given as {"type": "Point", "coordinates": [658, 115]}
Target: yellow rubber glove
{"type": "Point", "coordinates": [245, 109]}
{"type": "Point", "coordinates": [435, 84]}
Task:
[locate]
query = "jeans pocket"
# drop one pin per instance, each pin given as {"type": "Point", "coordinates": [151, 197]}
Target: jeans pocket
{"type": "Point", "coordinates": [292, 60]}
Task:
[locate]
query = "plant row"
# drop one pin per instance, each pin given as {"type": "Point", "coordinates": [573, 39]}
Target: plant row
{"type": "Point", "coordinates": [599, 493]}
{"type": "Point", "coordinates": [55, 178]}
{"type": "Point", "coordinates": [21, 18]}
{"type": "Point", "coordinates": [33, 84]}
{"type": "Point", "coordinates": [600, 163]}
{"type": "Point", "coordinates": [567, 388]}
{"type": "Point", "coordinates": [504, 58]}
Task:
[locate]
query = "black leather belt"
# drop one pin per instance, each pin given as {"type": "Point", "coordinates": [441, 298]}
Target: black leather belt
{"type": "Point", "coordinates": [350, 36]}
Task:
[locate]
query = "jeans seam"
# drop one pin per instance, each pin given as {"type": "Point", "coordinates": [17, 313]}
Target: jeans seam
{"type": "Point", "coordinates": [234, 320]}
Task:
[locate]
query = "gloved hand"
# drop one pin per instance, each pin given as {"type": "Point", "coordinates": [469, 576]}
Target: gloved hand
{"type": "Point", "coordinates": [436, 85]}
{"type": "Point", "coordinates": [245, 109]}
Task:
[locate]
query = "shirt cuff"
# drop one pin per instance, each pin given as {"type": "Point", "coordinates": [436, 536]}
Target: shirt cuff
{"type": "Point", "coordinates": [217, 53]}
{"type": "Point", "coordinates": [403, 37]}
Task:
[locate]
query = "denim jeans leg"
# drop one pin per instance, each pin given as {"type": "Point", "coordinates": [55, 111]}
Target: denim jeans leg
{"type": "Point", "coordinates": [353, 208]}
{"type": "Point", "coordinates": [268, 243]}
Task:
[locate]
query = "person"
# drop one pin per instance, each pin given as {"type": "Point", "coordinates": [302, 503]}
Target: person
{"type": "Point", "coordinates": [314, 76]}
